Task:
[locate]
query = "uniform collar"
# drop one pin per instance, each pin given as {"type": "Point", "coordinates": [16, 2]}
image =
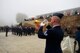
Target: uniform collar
{"type": "Point", "coordinates": [56, 25]}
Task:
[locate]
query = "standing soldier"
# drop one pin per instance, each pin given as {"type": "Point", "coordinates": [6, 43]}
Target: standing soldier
{"type": "Point", "coordinates": [54, 35]}
{"type": "Point", "coordinates": [6, 29]}
{"type": "Point", "coordinates": [20, 30]}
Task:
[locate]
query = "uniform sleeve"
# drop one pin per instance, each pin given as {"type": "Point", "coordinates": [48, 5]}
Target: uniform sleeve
{"type": "Point", "coordinates": [41, 33]}
{"type": "Point", "coordinates": [45, 33]}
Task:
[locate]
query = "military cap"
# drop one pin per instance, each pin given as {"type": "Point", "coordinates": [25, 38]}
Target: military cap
{"type": "Point", "coordinates": [60, 15]}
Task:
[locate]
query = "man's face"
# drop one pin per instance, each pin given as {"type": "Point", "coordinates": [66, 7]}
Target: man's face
{"type": "Point", "coordinates": [52, 20]}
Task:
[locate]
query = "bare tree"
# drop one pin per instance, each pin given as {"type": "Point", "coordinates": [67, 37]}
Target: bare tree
{"type": "Point", "coordinates": [21, 17]}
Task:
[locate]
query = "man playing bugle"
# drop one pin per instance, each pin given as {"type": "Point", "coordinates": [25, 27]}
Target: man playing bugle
{"type": "Point", "coordinates": [53, 34]}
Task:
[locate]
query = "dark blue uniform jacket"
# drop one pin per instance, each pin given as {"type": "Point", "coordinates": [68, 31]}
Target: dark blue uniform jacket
{"type": "Point", "coordinates": [53, 39]}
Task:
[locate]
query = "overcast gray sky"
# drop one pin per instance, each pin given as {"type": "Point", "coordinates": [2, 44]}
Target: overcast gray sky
{"type": "Point", "coordinates": [9, 8]}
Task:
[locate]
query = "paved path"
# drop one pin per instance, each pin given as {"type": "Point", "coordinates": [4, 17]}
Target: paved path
{"type": "Point", "coordinates": [25, 44]}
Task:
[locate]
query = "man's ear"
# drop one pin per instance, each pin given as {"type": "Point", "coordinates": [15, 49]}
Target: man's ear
{"type": "Point", "coordinates": [54, 21]}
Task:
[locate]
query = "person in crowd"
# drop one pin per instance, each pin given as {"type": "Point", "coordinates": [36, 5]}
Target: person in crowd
{"type": "Point", "coordinates": [53, 35]}
{"type": "Point", "coordinates": [7, 30]}
{"type": "Point", "coordinates": [20, 30]}
{"type": "Point", "coordinates": [77, 38]}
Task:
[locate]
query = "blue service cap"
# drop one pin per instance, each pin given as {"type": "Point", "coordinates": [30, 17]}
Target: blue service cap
{"type": "Point", "coordinates": [60, 15]}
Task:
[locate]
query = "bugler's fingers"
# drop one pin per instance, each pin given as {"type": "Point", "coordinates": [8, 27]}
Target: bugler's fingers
{"type": "Point", "coordinates": [42, 24]}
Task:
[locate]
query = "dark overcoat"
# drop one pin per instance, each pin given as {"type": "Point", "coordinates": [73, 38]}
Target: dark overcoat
{"type": "Point", "coordinates": [53, 39]}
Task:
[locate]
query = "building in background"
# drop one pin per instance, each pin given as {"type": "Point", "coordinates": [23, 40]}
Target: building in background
{"type": "Point", "coordinates": [68, 12]}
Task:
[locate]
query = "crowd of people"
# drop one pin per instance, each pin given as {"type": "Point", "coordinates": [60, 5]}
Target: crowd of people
{"type": "Point", "coordinates": [18, 30]}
